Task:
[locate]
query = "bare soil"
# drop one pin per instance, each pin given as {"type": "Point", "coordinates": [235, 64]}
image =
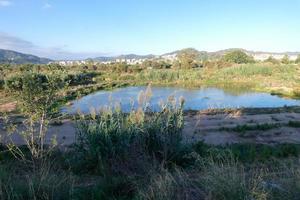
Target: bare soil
{"type": "Point", "coordinates": [216, 127]}
{"type": "Point", "coordinates": [221, 129]}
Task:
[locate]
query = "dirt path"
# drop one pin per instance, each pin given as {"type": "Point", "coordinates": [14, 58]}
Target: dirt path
{"type": "Point", "coordinates": [220, 129]}
{"type": "Point", "coordinates": [217, 128]}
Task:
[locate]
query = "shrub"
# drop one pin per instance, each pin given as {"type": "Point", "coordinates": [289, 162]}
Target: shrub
{"type": "Point", "coordinates": [238, 57]}
{"type": "Point", "coordinates": [36, 94]}
{"type": "Point", "coordinates": [285, 59]}
{"type": "Point", "coordinates": [188, 58]}
{"type": "Point", "coordinates": [296, 92]}
{"type": "Point", "coordinates": [272, 60]}
{"type": "Point", "coordinates": [154, 64]}
{"type": "Point", "coordinates": [80, 79]}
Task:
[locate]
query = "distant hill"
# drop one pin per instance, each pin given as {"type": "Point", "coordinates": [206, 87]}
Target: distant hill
{"type": "Point", "coordinates": [258, 55]}
{"type": "Point", "coordinates": [13, 57]}
{"type": "Point", "coordinates": [202, 55]}
{"type": "Point", "coordinates": [8, 56]}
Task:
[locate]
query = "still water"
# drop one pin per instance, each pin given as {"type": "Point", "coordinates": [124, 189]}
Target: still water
{"type": "Point", "coordinates": [195, 99]}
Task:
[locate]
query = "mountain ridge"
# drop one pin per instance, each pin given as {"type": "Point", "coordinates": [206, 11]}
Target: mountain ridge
{"type": "Point", "coordinates": [14, 57]}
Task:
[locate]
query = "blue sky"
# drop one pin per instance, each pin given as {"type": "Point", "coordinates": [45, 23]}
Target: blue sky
{"type": "Point", "coordinates": [68, 29]}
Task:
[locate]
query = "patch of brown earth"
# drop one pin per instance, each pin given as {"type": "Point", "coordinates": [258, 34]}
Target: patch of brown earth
{"type": "Point", "coordinates": [219, 128]}
{"type": "Point", "coordinates": [8, 107]}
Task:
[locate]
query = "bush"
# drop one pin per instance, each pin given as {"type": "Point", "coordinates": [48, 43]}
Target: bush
{"type": "Point", "coordinates": [285, 59]}
{"type": "Point", "coordinates": [33, 89]}
{"type": "Point", "coordinates": [154, 64]}
{"type": "Point", "coordinates": [37, 96]}
{"type": "Point", "coordinates": [238, 57]}
{"type": "Point", "coordinates": [296, 92]}
{"type": "Point", "coordinates": [112, 137]}
{"type": "Point", "coordinates": [80, 79]}
{"type": "Point", "coordinates": [188, 58]}
{"type": "Point", "coordinates": [272, 60]}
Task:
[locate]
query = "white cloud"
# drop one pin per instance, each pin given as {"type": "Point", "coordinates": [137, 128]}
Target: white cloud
{"type": "Point", "coordinates": [47, 6]}
{"type": "Point", "coordinates": [58, 53]}
{"type": "Point", "coordinates": [5, 3]}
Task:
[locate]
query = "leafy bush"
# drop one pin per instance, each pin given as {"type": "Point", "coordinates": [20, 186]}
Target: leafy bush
{"type": "Point", "coordinates": [80, 79]}
{"type": "Point", "coordinates": [37, 96]}
{"type": "Point", "coordinates": [187, 58]}
{"type": "Point", "coordinates": [272, 60]}
{"type": "Point", "coordinates": [238, 57]}
{"type": "Point", "coordinates": [33, 90]}
{"type": "Point", "coordinates": [296, 92]}
{"type": "Point", "coordinates": [153, 64]}
{"type": "Point", "coordinates": [285, 59]}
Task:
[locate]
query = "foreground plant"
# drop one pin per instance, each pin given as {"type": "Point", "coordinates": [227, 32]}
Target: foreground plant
{"type": "Point", "coordinates": [37, 95]}
{"type": "Point", "coordinates": [112, 136]}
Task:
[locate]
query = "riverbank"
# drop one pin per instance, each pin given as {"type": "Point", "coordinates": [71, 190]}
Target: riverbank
{"type": "Point", "coordinates": [276, 79]}
{"type": "Point", "coordinates": [214, 127]}
{"type": "Point", "coordinates": [219, 146]}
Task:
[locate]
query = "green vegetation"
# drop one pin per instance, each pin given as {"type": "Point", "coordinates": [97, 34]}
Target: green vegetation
{"type": "Point", "coordinates": [272, 60]}
{"type": "Point", "coordinates": [142, 154]}
{"type": "Point", "coordinates": [188, 58]}
{"type": "Point", "coordinates": [297, 61]}
{"type": "Point", "coordinates": [271, 76]}
{"type": "Point", "coordinates": [295, 124]}
{"type": "Point", "coordinates": [104, 140]}
{"type": "Point", "coordinates": [285, 59]}
{"type": "Point", "coordinates": [7, 56]}
{"type": "Point", "coordinates": [37, 96]}
{"type": "Point", "coordinates": [238, 57]}
{"type": "Point", "coordinates": [243, 128]}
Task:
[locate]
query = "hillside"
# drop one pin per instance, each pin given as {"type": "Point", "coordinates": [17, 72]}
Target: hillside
{"type": "Point", "coordinates": [8, 56]}
{"type": "Point", "coordinates": [258, 55]}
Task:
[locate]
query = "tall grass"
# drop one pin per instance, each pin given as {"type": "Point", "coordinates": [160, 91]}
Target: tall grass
{"type": "Point", "coordinates": [247, 70]}
{"type": "Point", "coordinates": [169, 185]}
{"type": "Point", "coordinates": [109, 137]}
{"type": "Point", "coordinates": [19, 182]}
{"type": "Point", "coordinates": [187, 78]}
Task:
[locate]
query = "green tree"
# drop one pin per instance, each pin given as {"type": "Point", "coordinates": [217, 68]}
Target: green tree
{"type": "Point", "coordinates": [285, 59]}
{"type": "Point", "coordinates": [37, 95]}
{"type": "Point", "coordinates": [188, 58]}
{"type": "Point", "coordinates": [272, 60]}
{"type": "Point", "coordinates": [156, 64]}
{"type": "Point", "coordinates": [238, 57]}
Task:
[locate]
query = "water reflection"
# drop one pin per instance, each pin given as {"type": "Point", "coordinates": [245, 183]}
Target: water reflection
{"type": "Point", "coordinates": [195, 99]}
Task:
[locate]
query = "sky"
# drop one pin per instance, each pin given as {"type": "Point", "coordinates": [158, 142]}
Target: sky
{"type": "Point", "coordinates": [69, 29]}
